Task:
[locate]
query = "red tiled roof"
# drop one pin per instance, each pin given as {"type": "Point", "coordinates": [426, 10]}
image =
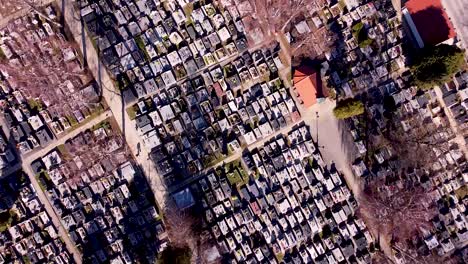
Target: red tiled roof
{"type": "Point", "coordinates": [308, 85]}
{"type": "Point", "coordinates": [432, 22]}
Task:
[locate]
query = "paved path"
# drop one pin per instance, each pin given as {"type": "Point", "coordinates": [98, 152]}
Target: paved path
{"type": "Point", "coordinates": [117, 106]}
{"type": "Point", "coordinates": [459, 139]}
{"type": "Point", "coordinates": [334, 140]}
{"type": "Point", "coordinates": [76, 255]}
{"type": "Point", "coordinates": [337, 147]}
{"type": "Point", "coordinates": [26, 165]}
{"type": "Point", "coordinates": [21, 12]}
{"type": "Point", "coordinates": [30, 157]}
{"type": "Point", "coordinates": [114, 101]}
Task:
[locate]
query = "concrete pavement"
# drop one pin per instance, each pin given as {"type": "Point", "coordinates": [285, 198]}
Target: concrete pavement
{"type": "Point", "coordinates": [334, 140]}
{"type": "Point", "coordinates": [26, 166]}
{"type": "Point", "coordinates": [456, 10]}
{"type": "Point", "coordinates": [76, 255]}
{"type": "Point", "coordinates": [459, 139]}
{"type": "Point", "coordinates": [114, 100]}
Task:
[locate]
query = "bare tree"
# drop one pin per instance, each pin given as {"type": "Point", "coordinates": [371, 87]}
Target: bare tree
{"type": "Point", "coordinates": [185, 228]}
{"type": "Point", "coordinates": [8, 7]}
{"type": "Point", "coordinates": [420, 143]}
{"type": "Point", "coordinates": [47, 69]}
{"type": "Point", "coordinates": [411, 255]}
{"type": "Point", "coordinates": [275, 18]}
{"type": "Point", "coordinates": [396, 209]}
{"type": "Point", "coordinates": [180, 225]}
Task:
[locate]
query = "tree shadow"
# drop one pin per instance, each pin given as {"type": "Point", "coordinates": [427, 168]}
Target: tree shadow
{"type": "Point", "coordinates": [138, 235]}
{"type": "Point", "coordinates": [9, 152]}
{"type": "Point", "coordinates": [20, 211]}
{"type": "Point", "coordinates": [105, 202]}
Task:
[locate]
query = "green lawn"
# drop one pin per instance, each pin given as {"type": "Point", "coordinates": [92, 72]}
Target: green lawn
{"type": "Point", "coordinates": [141, 45]}
{"type": "Point", "coordinates": [132, 112]}
{"type": "Point", "coordinates": [462, 192]}
{"type": "Point", "coordinates": [63, 151]}
{"type": "Point", "coordinates": [35, 104]}
{"type": "Point", "coordinates": [6, 218]}
{"type": "Point", "coordinates": [234, 178]}
{"type": "Point", "coordinates": [235, 173]}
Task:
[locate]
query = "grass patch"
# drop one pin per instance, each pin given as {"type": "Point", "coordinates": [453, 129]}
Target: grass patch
{"type": "Point", "coordinates": [342, 4]}
{"type": "Point", "coordinates": [234, 178]}
{"type": "Point", "coordinates": [141, 45]}
{"type": "Point", "coordinates": [72, 120]}
{"type": "Point", "coordinates": [35, 105]}
{"type": "Point", "coordinates": [122, 82]}
{"type": "Point", "coordinates": [26, 260]}
{"type": "Point", "coordinates": [43, 179]}
{"type": "Point", "coordinates": [360, 34]}
{"type": "Point", "coordinates": [64, 151]}
{"type": "Point", "coordinates": [462, 192]}
{"type": "Point", "coordinates": [212, 159]}
{"type": "Point", "coordinates": [74, 123]}
{"type": "Point", "coordinates": [104, 124]}
{"type": "Point", "coordinates": [188, 9]}
{"type": "Point", "coordinates": [6, 218]}
{"type": "Point", "coordinates": [132, 112]}
{"type": "Point", "coordinates": [279, 257]}
{"type": "Point", "coordinates": [234, 172]}
{"type": "Point", "coordinates": [2, 54]}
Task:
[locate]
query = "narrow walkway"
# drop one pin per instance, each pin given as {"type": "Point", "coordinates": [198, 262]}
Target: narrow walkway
{"type": "Point", "coordinates": [26, 166]}
{"type": "Point", "coordinates": [459, 139]}
{"type": "Point", "coordinates": [76, 255]}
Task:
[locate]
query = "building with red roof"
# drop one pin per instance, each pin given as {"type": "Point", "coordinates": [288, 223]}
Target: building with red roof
{"type": "Point", "coordinates": [308, 85]}
{"type": "Point", "coordinates": [428, 22]}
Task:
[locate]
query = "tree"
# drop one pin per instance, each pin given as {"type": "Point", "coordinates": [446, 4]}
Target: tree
{"type": "Point", "coordinates": [436, 65]}
{"type": "Point", "coordinates": [180, 225]}
{"type": "Point", "coordinates": [348, 108]}
{"type": "Point", "coordinates": [419, 135]}
{"type": "Point", "coordinates": [8, 7]}
{"type": "Point", "coordinates": [361, 36]}
{"type": "Point", "coordinates": [275, 18]}
{"type": "Point", "coordinates": [396, 208]}
{"type": "Point", "coordinates": [185, 231]}
{"type": "Point", "coordinates": [47, 70]}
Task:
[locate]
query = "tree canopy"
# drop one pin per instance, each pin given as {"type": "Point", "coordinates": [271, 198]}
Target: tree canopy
{"type": "Point", "coordinates": [436, 65]}
{"type": "Point", "coordinates": [348, 108]}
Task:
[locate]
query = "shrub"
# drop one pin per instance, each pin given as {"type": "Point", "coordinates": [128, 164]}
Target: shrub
{"type": "Point", "coordinates": [348, 108]}
{"type": "Point", "coordinates": [360, 34]}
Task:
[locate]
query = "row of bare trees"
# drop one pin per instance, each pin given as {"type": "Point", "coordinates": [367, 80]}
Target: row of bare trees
{"type": "Point", "coordinates": [277, 18]}
{"type": "Point", "coordinates": [400, 204]}
{"type": "Point", "coordinates": [44, 66]}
